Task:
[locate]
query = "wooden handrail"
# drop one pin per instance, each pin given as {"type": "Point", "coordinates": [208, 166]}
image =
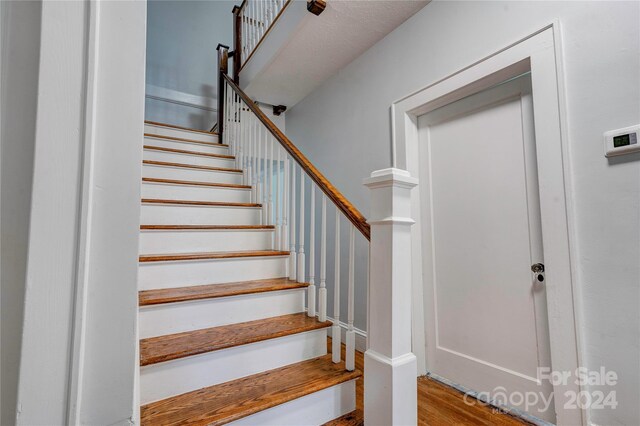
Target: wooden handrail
{"type": "Point", "coordinates": [348, 209]}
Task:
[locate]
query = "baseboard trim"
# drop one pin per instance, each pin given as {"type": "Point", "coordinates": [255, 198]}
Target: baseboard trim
{"type": "Point", "coordinates": [509, 410]}
{"type": "Point", "coordinates": [361, 335]}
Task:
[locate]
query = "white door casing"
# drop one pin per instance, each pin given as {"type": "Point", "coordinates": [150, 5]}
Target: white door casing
{"type": "Point", "coordinates": [486, 317]}
{"type": "Point", "coordinates": [539, 53]}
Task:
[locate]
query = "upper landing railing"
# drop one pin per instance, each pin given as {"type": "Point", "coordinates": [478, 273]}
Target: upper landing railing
{"type": "Point", "coordinates": [253, 20]}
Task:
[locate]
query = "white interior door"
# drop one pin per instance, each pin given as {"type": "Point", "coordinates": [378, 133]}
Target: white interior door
{"type": "Point", "coordinates": [486, 316]}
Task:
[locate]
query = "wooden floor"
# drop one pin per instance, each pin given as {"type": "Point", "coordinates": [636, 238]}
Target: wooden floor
{"type": "Point", "coordinates": [438, 404]}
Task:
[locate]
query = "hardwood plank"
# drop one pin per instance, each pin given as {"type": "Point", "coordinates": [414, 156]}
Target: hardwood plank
{"type": "Point", "coordinates": [339, 200]}
{"type": "Point", "coordinates": [180, 345]}
{"type": "Point", "coordinates": [199, 203]}
{"type": "Point", "coordinates": [190, 166]}
{"type": "Point", "coordinates": [239, 398]}
{"type": "Point", "coordinates": [176, 139]}
{"type": "Point", "coordinates": [438, 404]}
{"type": "Point", "coordinates": [185, 151]}
{"type": "Point", "coordinates": [211, 291]}
{"type": "Point", "coordinates": [173, 126]}
{"type": "Point", "coordinates": [210, 255]}
{"type": "Point", "coordinates": [195, 183]}
{"type": "Point", "coordinates": [206, 227]}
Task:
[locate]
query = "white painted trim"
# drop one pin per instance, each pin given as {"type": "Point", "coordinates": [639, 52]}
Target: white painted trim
{"type": "Point", "coordinates": [540, 53]}
{"type": "Point", "coordinates": [76, 367]}
{"type": "Point", "coordinates": [180, 98]}
{"type": "Point", "coordinates": [361, 335]}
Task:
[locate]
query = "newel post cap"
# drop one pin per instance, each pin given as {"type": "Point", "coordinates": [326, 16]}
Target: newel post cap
{"type": "Point", "coordinates": [390, 177]}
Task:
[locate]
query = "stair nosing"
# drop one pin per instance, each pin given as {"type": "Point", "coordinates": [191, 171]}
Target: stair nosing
{"type": "Point", "coordinates": [185, 140]}
{"type": "Point", "coordinates": [187, 152]}
{"type": "Point", "coordinates": [295, 391]}
{"type": "Point", "coordinates": [195, 183]}
{"type": "Point", "coordinates": [207, 291]}
{"type": "Point", "coordinates": [199, 203]}
{"type": "Point", "coordinates": [190, 166]}
{"type": "Point", "coordinates": [315, 324]}
{"type": "Point", "coordinates": [181, 257]}
{"type": "Point", "coordinates": [173, 126]}
{"type": "Point", "coordinates": [207, 227]}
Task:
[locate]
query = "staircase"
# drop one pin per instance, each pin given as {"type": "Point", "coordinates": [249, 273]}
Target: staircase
{"type": "Point", "coordinates": [224, 336]}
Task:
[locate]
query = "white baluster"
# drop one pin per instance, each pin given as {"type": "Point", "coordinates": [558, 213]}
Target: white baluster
{"type": "Point", "coordinates": [250, 142]}
{"type": "Point", "coordinates": [278, 200]}
{"type": "Point", "coordinates": [267, 181]}
{"type": "Point", "coordinates": [259, 185]}
{"type": "Point", "coordinates": [262, 19]}
{"type": "Point", "coordinates": [336, 333]}
{"type": "Point", "coordinates": [301, 265]}
{"type": "Point", "coordinates": [243, 142]}
{"type": "Point", "coordinates": [249, 28]}
{"type": "Point", "coordinates": [270, 207]}
{"type": "Point", "coordinates": [244, 34]}
{"type": "Point", "coordinates": [350, 357]}
{"type": "Point", "coordinates": [311, 290]}
{"type": "Point", "coordinates": [322, 292]}
{"type": "Point", "coordinates": [285, 203]}
{"type": "Point", "coordinates": [236, 127]}
{"type": "Point", "coordinates": [256, 170]}
{"type": "Point", "coordinates": [292, 215]}
{"type": "Point", "coordinates": [254, 18]}
{"type": "Point", "coordinates": [223, 126]}
{"type": "Point", "coordinates": [229, 129]}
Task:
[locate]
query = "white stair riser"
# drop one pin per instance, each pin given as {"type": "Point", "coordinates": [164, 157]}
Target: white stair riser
{"type": "Point", "coordinates": [193, 192]}
{"type": "Point", "coordinates": [163, 380]}
{"type": "Point", "coordinates": [199, 160]}
{"type": "Point", "coordinates": [169, 214]}
{"type": "Point", "coordinates": [191, 146]}
{"type": "Point", "coordinates": [178, 133]}
{"type": "Point", "coordinates": [310, 410]}
{"type": "Point", "coordinates": [184, 241]}
{"type": "Point", "coordinates": [183, 173]}
{"type": "Point", "coordinates": [169, 318]}
{"type": "Point", "coordinates": [153, 275]}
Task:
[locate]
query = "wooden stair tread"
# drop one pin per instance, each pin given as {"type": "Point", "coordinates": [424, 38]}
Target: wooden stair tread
{"type": "Point", "coordinates": [199, 203]}
{"type": "Point", "coordinates": [176, 139]}
{"type": "Point", "coordinates": [186, 151]}
{"type": "Point", "coordinates": [195, 183]}
{"type": "Point", "coordinates": [211, 291]}
{"type": "Point", "coordinates": [173, 126]}
{"type": "Point", "coordinates": [206, 227]}
{"type": "Point", "coordinates": [354, 418]}
{"type": "Point", "coordinates": [210, 255]}
{"type": "Point", "coordinates": [226, 402]}
{"type": "Point", "coordinates": [190, 166]}
{"type": "Point", "coordinates": [180, 345]}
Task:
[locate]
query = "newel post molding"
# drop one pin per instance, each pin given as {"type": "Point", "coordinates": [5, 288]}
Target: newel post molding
{"type": "Point", "coordinates": [390, 395]}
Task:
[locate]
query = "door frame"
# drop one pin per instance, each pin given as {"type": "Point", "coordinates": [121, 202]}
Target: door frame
{"type": "Point", "coordinates": [540, 54]}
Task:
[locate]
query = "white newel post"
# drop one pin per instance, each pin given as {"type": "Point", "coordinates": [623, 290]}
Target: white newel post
{"type": "Point", "coordinates": [390, 367]}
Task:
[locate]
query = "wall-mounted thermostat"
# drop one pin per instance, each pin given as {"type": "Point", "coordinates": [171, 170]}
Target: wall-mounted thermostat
{"type": "Point", "coordinates": [622, 141]}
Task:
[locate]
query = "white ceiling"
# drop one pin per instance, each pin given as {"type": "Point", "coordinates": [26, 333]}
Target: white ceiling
{"type": "Point", "coordinates": [324, 44]}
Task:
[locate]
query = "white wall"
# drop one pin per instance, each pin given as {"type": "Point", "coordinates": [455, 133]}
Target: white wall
{"type": "Point", "coordinates": [20, 53]}
{"type": "Point", "coordinates": [181, 56]}
{"type": "Point", "coordinates": [79, 347]}
{"type": "Point", "coordinates": [344, 129]}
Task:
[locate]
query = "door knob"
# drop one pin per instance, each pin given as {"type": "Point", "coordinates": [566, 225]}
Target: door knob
{"type": "Point", "coordinates": [538, 270]}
